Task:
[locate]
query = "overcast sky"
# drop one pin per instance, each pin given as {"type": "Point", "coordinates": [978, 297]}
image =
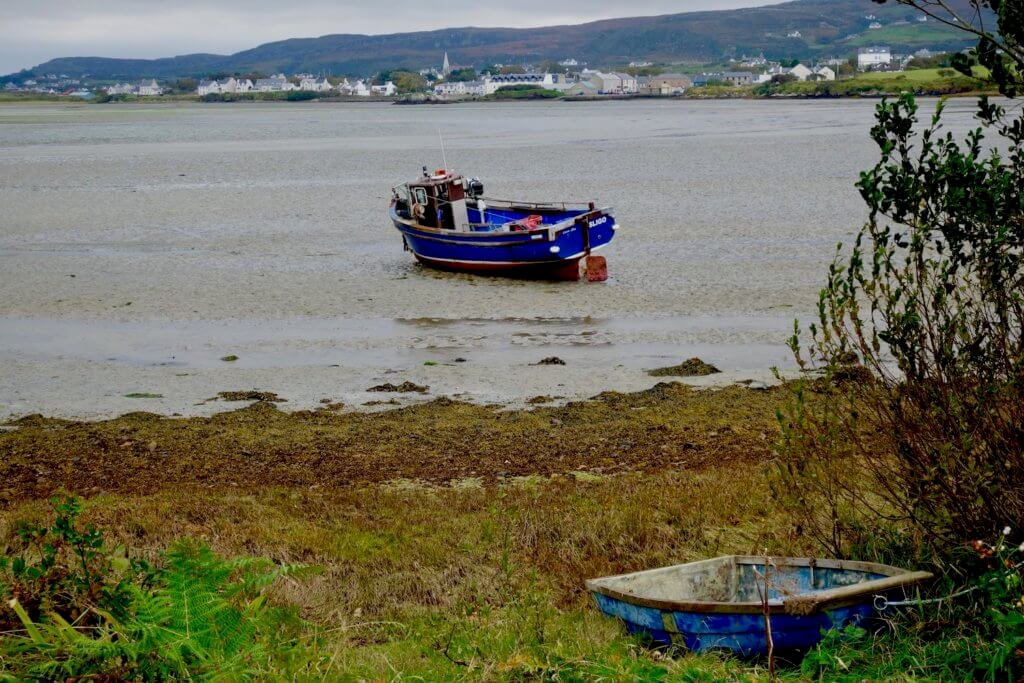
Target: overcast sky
{"type": "Point", "coordinates": [33, 31]}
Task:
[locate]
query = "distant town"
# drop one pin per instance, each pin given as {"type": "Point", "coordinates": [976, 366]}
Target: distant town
{"type": "Point", "coordinates": [569, 78]}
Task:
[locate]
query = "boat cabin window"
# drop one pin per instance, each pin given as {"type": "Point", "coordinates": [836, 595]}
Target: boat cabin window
{"type": "Point", "coordinates": [420, 195]}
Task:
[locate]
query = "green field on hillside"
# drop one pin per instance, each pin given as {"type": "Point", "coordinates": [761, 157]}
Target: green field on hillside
{"type": "Point", "coordinates": [924, 35]}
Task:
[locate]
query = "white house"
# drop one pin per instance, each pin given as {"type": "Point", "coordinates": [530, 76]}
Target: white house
{"type": "Point", "coordinates": [119, 89]}
{"type": "Point", "coordinates": [359, 89]}
{"type": "Point", "coordinates": [823, 73]}
{"type": "Point", "coordinates": [461, 89]}
{"type": "Point", "coordinates": [228, 85]}
{"type": "Point", "coordinates": [628, 84]}
{"type": "Point", "coordinates": [800, 71]}
{"type": "Point", "coordinates": [493, 84]}
{"type": "Point", "coordinates": [150, 87]}
{"type": "Point", "coordinates": [387, 90]}
{"type": "Point", "coordinates": [803, 72]}
{"type": "Point", "coordinates": [453, 89]}
{"type": "Point", "coordinates": [607, 83]}
{"type": "Point", "coordinates": [582, 89]}
{"type": "Point", "coordinates": [314, 84]}
{"type": "Point", "coordinates": [276, 83]}
{"type": "Point", "coordinates": [476, 88]}
{"type": "Point", "coordinates": [269, 84]}
{"type": "Point", "coordinates": [871, 57]}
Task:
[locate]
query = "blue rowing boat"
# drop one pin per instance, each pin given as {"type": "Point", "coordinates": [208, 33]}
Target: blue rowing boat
{"type": "Point", "coordinates": [447, 223]}
{"type": "Point", "coordinates": [720, 604]}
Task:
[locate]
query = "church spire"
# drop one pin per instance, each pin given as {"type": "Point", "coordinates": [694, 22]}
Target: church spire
{"type": "Point", "coordinates": [447, 67]}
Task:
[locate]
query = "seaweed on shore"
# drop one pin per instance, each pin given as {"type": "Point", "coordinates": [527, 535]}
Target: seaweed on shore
{"type": "Point", "coordinates": [251, 395]}
{"type": "Point", "coordinates": [694, 367]}
{"type": "Point", "coordinates": [403, 388]}
{"type": "Point", "coordinates": [670, 426]}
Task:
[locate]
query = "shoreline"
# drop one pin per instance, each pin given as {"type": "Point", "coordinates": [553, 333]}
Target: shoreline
{"type": "Point", "coordinates": [746, 96]}
{"type": "Point", "coordinates": [668, 426]}
{"type": "Point", "coordinates": [102, 368]}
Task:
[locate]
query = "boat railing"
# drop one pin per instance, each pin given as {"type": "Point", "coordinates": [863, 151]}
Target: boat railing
{"type": "Point", "coordinates": [508, 203]}
{"type": "Point", "coordinates": [564, 223]}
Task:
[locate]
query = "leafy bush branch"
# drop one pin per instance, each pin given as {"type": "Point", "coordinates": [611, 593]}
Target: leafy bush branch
{"type": "Point", "coordinates": [74, 609]}
{"type": "Point", "coordinates": [928, 307]}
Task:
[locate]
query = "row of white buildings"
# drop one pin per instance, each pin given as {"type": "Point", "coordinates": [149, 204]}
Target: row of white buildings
{"type": "Point", "coordinates": [589, 82]}
{"type": "Point", "coordinates": [306, 83]}
{"type": "Point", "coordinates": [145, 88]}
{"type": "Point", "coordinates": [597, 83]}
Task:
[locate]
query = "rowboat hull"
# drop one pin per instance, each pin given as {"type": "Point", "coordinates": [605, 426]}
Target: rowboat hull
{"type": "Point", "coordinates": [717, 604]}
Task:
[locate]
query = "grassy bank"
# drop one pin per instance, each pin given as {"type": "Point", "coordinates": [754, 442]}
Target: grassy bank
{"type": "Point", "coordinates": [452, 540]}
{"type": "Point", "coordinates": [930, 82]}
{"type": "Point", "coordinates": [32, 98]}
{"type": "Point", "coordinates": [465, 582]}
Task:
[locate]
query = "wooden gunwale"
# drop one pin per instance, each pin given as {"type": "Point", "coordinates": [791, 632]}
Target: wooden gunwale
{"type": "Point", "coordinates": [808, 603]}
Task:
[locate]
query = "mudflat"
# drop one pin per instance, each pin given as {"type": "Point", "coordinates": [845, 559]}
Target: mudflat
{"type": "Point", "coordinates": [141, 244]}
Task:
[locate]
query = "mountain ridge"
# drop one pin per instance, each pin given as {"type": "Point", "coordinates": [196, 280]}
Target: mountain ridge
{"type": "Point", "coordinates": [824, 27]}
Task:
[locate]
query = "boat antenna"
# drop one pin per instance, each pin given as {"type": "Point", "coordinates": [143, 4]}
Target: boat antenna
{"type": "Point", "coordinates": [444, 157]}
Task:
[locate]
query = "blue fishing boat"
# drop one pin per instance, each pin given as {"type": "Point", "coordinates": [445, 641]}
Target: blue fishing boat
{"type": "Point", "coordinates": [448, 223]}
{"type": "Point", "coordinates": [719, 604]}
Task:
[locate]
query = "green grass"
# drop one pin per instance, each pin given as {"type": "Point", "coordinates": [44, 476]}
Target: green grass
{"type": "Point", "coordinates": [486, 584]}
{"type": "Point", "coordinates": [466, 583]}
{"type": "Point", "coordinates": [914, 34]}
{"type": "Point", "coordinates": [36, 97]}
{"type": "Point", "coordinates": [917, 81]}
{"type": "Point", "coordinates": [525, 92]}
{"type": "Point", "coordinates": [917, 75]}
{"type": "Point", "coordinates": [481, 579]}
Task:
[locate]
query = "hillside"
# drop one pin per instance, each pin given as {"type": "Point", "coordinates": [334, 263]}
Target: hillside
{"type": "Point", "coordinates": [826, 27]}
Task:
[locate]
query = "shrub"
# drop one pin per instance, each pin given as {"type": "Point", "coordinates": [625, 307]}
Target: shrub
{"type": "Point", "coordinates": [976, 633]}
{"type": "Point", "coordinates": [525, 92]}
{"type": "Point", "coordinates": [77, 610]}
{"type": "Point", "coordinates": [930, 300]}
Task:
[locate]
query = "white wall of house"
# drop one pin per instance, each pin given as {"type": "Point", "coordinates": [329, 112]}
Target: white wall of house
{"type": "Point", "coordinates": [627, 84]}
{"type": "Point", "coordinates": [824, 73]}
{"type": "Point", "coordinates": [456, 89]}
{"type": "Point", "coordinates": [873, 56]}
{"type": "Point", "coordinates": [801, 72]}
{"type": "Point", "coordinates": [150, 88]}
{"type": "Point", "coordinates": [313, 84]}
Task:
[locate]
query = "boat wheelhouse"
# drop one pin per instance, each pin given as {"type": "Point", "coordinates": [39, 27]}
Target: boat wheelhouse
{"type": "Point", "coordinates": [448, 223]}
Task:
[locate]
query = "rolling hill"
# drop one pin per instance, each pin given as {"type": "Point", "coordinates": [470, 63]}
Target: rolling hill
{"type": "Point", "coordinates": [801, 28]}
